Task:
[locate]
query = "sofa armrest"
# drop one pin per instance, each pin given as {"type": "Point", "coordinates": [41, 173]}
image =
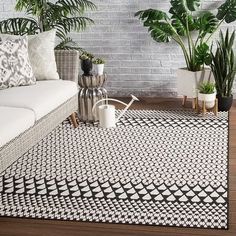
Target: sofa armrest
{"type": "Point", "coordinates": [68, 64]}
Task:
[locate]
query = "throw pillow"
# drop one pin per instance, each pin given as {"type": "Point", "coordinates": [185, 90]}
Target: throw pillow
{"type": "Point", "coordinates": [41, 54]}
{"type": "Point", "coordinates": [15, 68]}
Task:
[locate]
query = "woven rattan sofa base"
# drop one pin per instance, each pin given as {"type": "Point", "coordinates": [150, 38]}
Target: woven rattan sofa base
{"type": "Point", "coordinates": [14, 149]}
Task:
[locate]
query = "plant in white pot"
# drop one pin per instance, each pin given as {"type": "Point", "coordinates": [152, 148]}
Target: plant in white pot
{"type": "Point", "coordinates": [207, 95]}
{"type": "Point", "coordinates": [223, 66]}
{"type": "Point", "coordinates": [99, 66]}
{"type": "Point", "coordinates": [183, 20]}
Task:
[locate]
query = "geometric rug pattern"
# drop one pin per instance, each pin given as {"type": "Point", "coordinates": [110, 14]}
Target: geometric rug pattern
{"type": "Point", "coordinates": [167, 168]}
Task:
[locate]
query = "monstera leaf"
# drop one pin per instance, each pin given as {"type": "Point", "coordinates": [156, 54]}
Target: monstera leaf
{"type": "Point", "coordinates": [183, 23]}
{"type": "Point", "coordinates": [151, 15]}
{"type": "Point", "coordinates": [161, 32]}
{"type": "Point", "coordinates": [206, 23]}
{"type": "Point", "coordinates": [182, 6]}
{"type": "Point", "coordinates": [157, 23]}
{"type": "Point", "coordinates": [202, 54]}
{"type": "Point", "coordinates": [227, 11]}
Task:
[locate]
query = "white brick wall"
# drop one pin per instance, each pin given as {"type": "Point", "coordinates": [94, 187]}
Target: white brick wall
{"type": "Point", "coordinates": [135, 63]}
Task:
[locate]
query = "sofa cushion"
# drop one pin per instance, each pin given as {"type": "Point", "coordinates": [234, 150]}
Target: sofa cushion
{"type": "Point", "coordinates": [41, 98]}
{"type": "Point", "coordinates": [15, 68]}
{"type": "Point", "coordinates": [41, 53]}
{"type": "Point", "coordinates": [13, 122]}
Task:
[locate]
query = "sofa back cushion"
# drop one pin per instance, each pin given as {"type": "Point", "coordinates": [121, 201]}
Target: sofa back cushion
{"type": "Point", "coordinates": [41, 54]}
{"type": "Point", "coordinates": [15, 67]}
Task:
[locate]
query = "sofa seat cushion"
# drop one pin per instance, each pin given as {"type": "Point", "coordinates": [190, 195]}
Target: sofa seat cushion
{"type": "Point", "coordinates": [41, 98]}
{"type": "Point", "coordinates": [13, 122]}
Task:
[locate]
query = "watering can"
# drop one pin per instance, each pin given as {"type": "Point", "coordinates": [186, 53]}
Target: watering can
{"type": "Point", "coordinates": [107, 113]}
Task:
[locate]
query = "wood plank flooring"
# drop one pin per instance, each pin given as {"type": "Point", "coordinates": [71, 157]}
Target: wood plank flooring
{"type": "Point", "coordinates": [30, 227]}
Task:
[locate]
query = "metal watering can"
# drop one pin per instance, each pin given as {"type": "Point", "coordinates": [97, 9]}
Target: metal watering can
{"type": "Point", "coordinates": [107, 113]}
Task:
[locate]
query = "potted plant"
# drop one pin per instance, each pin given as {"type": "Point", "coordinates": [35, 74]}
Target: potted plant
{"type": "Point", "coordinates": [86, 63]}
{"type": "Point", "coordinates": [184, 19]}
{"type": "Point", "coordinates": [207, 94]}
{"type": "Point", "coordinates": [223, 66]}
{"type": "Point", "coordinates": [99, 62]}
{"type": "Point", "coordinates": [63, 15]}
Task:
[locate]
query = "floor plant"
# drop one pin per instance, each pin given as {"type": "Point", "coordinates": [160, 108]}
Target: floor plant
{"type": "Point", "coordinates": [42, 15]}
{"type": "Point", "coordinates": [223, 66]}
{"type": "Point", "coordinates": [184, 18]}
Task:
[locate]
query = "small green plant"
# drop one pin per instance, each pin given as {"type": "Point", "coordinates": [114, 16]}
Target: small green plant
{"type": "Point", "coordinates": [86, 55]}
{"type": "Point", "coordinates": [223, 64]}
{"type": "Point", "coordinates": [207, 88]}
{"type": "Point", "coordinates": [99, 61]}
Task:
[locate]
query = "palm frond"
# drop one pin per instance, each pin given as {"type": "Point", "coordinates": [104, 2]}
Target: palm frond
{"type": "Point", "coordinates": [19, 26]}
{"type": "Point", "coordinates": [76, 6]}
{"type": "Point", "coordinates": [68, 44]}
{"type": "Point", "coordinates": [34, 7]}
{"type": "Point", "coordinates": [69, 24]}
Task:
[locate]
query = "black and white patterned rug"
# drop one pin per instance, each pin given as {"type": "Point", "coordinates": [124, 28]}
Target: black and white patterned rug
{"type": "Point", "coordinates": [166, 168]}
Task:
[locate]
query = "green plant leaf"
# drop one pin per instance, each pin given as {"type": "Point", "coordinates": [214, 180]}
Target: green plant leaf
{"type": "Point", "coordinates": [19, 26]}
{"type": "Point", "coordinates": [183, 23]}
{"type": "Point", "coordinates": [223, 64]}
{"type": "Point", "coordinates": [151, 15]}
{"type": "Point", "coordinates": [207, 88]}
{"type": "Point", "coordinates": [206, 24]}
{"type": "Point", "coordinates": [202, 54]}
{"type": "Point", "coordinates": [157, 23]}
{"type": "Point", "coordinates": [161, 32]}
{"type": "Point", "coordinates": [182, 6]}
{"type": "Point", "coordinates": [68, 44]}
{"type": "Point", "coordinates": [227, 11]}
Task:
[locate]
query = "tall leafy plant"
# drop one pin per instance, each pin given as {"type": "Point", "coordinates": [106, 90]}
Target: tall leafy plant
{"type": "Point", "coordinates": [42, 15]}
{"type": "Point", "coordinates": [223, 64]}
{"type": "Point", "coordinates": [183, 19]}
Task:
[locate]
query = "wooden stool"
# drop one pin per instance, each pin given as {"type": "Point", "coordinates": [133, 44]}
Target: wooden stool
{"type": "Point", "coordinates": [204, 110]}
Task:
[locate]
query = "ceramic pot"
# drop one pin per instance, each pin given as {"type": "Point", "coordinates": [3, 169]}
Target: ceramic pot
{"type": "Point", "coordinates": [224, 103]}
{"type": "Point", "coordinates": [188, 81]}
{"type": "Point", "coordinates": [208, 98]}
{"type": "Point", "coordinates": [87, 66]}
{"type": "Point", "coordinates": [99, 69]}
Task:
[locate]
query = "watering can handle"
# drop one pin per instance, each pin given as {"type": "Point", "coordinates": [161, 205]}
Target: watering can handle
{"type": "Point", "coordinates": [106, 99]}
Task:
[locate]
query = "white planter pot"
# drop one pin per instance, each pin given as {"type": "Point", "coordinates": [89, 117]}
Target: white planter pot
{"type": "Point", "coordinates": [99, 68]}
{"type": "Point", "coordinates": [208, 98]}
{"type": "Point", "coordinates": [188, 81]}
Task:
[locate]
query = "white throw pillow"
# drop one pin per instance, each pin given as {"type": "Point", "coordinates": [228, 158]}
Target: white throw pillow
{"type": "Point", "coordinates": [41, 54]}
{"type": "Point", "coordinates": [15, 67]}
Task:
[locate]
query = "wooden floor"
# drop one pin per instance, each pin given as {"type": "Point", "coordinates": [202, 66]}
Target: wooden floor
{"type": "Point", "coordinates": [29, 227]}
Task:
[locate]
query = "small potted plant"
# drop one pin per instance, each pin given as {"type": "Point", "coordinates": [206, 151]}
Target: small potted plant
{"type": "Point", "coordinates": [223, 66]}
{"type": "Point", "coordinates": [99, 62]}
{"type": "Point", "coordinates": [86, 63]}
{"type": "Point", "coordinates": [207, 94]}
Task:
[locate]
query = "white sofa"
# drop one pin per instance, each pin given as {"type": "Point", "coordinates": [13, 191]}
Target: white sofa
{"type": "Point", "coordinates": [28, 113]}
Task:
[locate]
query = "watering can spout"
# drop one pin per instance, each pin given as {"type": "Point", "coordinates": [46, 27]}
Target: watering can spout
{"type": "Point", "coordinates": [127, 107]}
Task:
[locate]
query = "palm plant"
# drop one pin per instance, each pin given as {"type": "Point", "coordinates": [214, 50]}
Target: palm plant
{"type": "Point", "coordinates": [184, 18]}
{"type": "Point", "coordinates": [63, 15]}
{"type": "Point", "coordinates": [223, 64]}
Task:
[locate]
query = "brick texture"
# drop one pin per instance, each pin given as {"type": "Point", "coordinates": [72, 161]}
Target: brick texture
{"type": "Point", "coordinates": [135, 63]}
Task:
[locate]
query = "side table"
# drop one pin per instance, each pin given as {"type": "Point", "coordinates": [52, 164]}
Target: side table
{"type": "Point", "coordinates": [91, 91]}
